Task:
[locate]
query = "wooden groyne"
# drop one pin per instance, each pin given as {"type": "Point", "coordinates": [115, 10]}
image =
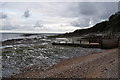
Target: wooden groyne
{"type": "Point", "coordinates": [79, 45]}
{"type": "Point", "coordinates": [109, 43]}
{"type": "Point", "coordinates": [82, 43]}
{"type": "Point", "coordinates": [102, 43]}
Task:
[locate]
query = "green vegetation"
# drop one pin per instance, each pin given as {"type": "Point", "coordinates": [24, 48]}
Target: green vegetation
{"type": "Point", "coordinates": [5, 52]}
{"type": "Point", "coordinates": [39, 46]}
{"type": "Point", "coordinates": [19, 51]}
{"type": "Point", "coordinates": [48, 54]}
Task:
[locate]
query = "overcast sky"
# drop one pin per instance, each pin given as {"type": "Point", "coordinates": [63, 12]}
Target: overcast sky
{"type": "Point", "coordinates": [55, 17]}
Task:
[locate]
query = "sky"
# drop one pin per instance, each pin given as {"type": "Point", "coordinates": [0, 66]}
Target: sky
{"type": "Point", "coordinates": [53, 17]}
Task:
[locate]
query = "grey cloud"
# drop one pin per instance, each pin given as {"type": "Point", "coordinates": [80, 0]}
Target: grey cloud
{"type": "Point", "coordinates": [119, 6]}
{"type": "Point", "coordinates": [3, 16]}
{"type": "Point", "coordinates": [54, 13]}
{"type": "Point", "coordinates": [8, 27]}
{"type": "Point", "coordinates": [26, 14]}
{"type": "Point", "coordinates": [87, 9]}
{"type": "Point", "coordinates": [82, 22]}
{"type": "Point", "coordinates": [94, 12]}
{"type": "Point", "coordinates": [105, 10]}
{"type": "Point", "coordinates": [38, 24]}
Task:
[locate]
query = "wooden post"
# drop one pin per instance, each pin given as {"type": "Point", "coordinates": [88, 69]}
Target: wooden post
{"type": "Point", "coordinates": [119, 42]}
{"type": "Point", "coordinates": [101, 43]}
{"type": "Point", "coordinates": [73, 42]}
{"type": "Point", "coordinates": [80, 41]}
{"type": "Point", "coordinates": [99, 40]}
{"type": "Point", "coordinates": [65, 41]}
{"type": "Point", "coordinates": [89, 41]}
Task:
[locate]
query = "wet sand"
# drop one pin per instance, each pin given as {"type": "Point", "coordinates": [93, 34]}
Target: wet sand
{"type": "Point", "coordinates": [96, 65]}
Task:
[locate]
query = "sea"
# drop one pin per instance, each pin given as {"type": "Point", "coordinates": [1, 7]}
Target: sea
{"type": "Point", "coordinates": [8, 36]}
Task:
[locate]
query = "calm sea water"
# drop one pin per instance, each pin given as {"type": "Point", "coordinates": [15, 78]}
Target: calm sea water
{"type": "Point", "coordinates": [6, 36]}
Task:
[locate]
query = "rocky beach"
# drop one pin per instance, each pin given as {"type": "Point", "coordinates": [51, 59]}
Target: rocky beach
{"type": "Point", "coordinates": [96, 65]}
{"type": "Point", "coordinates": [37, 54]}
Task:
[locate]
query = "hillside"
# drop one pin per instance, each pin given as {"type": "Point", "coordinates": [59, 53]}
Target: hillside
{"type": "Point", "coordinates": [110, 25]}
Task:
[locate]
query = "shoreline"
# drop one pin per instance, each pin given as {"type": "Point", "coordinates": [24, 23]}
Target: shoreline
{"type": "Point", "coordinates": [93, 65]}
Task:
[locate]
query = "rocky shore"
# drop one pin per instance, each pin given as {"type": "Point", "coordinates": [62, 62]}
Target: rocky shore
{"type": "Point", "coordinates": [94, 65]}
{"type": "Point", "coordinates": [36, 54]}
